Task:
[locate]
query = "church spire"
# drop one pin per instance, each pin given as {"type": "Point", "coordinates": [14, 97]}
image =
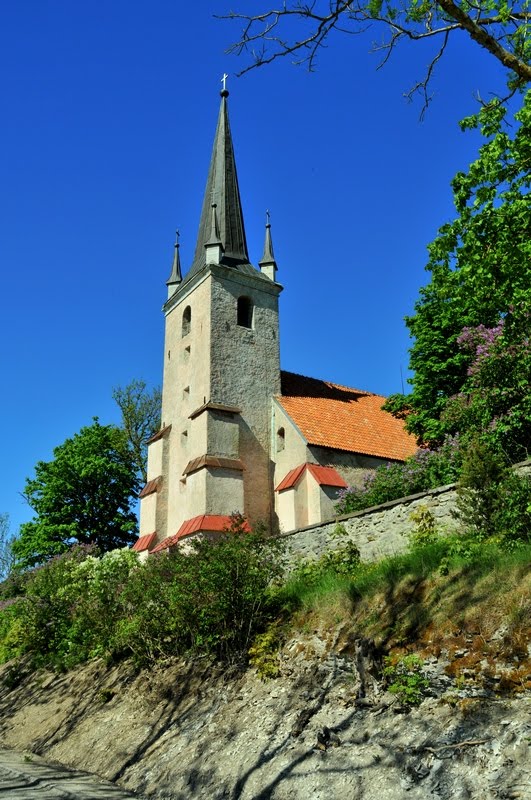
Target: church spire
{"type": "Point", "coordinates": [175, 275]}
{"type": "Point", "coordinates": [222, 189]}
{"type": "Point", "coordinates": [267, 264]}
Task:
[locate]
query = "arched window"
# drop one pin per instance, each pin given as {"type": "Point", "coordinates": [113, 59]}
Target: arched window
{"type": "Point", "coordinates": [245, 312]}
{"type": "Point", "coordinates": [281, 439]}
{"type": "Point", "coordinates": [187, 320]}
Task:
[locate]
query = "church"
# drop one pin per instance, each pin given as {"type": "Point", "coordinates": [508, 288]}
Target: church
{"type": "Point", "coordinates": [238, 434]}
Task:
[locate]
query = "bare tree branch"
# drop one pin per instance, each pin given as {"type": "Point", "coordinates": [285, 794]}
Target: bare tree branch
{"type": "Point", "coordinates": [504, 33]}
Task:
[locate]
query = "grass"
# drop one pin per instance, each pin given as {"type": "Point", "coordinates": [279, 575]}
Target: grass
{"type": "Point", "coordinates": [441, 597]}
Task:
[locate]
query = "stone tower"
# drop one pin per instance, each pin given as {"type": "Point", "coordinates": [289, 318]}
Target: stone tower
{"type": "Point", "coordinates": [221, 369]}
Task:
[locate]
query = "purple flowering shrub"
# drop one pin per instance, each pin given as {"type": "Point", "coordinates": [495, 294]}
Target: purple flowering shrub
{"type": "Point", "coordinates": [495, 401]}
{"type": "Point", "coordinates": [427, 469]}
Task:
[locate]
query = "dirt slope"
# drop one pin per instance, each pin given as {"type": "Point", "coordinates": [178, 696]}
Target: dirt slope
{"type": "Point", "coordinates": [325, 728]}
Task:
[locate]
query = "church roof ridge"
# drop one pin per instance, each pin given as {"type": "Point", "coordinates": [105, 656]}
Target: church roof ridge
{"type": "Point", "coordinates": [330, 384]}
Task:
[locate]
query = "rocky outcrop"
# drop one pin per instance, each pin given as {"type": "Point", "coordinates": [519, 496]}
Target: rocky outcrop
{"type": "Point", "coordinates": [326, 728]}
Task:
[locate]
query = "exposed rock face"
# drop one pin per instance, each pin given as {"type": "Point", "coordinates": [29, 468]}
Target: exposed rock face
{"type": "Point", "coordinates": [326, 728]}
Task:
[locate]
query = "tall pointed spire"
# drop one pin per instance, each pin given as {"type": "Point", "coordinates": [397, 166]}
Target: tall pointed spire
{"type": "Point", "coordinates": [222, 189]}
{"type": "Point", "coordinates": [267, 264]}
{"type": "Point", "coordinates": [175, 275]}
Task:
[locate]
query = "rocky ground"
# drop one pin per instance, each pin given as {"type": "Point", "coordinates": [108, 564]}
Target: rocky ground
{"type": "Point", "coordinates": [325, 728]}
{"type": "Point", "coordinates": [27, 777]}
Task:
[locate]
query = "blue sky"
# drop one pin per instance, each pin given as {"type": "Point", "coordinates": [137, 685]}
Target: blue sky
{"type": "Point", "coordinates": [108, 116]}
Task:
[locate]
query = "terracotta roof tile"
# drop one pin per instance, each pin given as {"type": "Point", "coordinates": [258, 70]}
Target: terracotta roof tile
{"type": "Point", "coordinates": [204, 523]}
{"type": "Point", "coordinates": [341, 418]}
{"type": "Point", "coordinates": [291, 478]}
{"type": "Point", "coordinates": [325, 476]}
{"type": "Point", "coordinates": [144, 542]}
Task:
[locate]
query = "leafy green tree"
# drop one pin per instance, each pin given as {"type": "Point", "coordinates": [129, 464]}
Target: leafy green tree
{"type": "Point", "coordinates": [480, 268]}
{"type": "Point", "coordinates": [140, 409]}
{"type": "Point", "coordinates": [7, 559]}
{"type": "Point", "coordinates": [84, 495]}
{"type": "Point", "coordinates": [300, 29]}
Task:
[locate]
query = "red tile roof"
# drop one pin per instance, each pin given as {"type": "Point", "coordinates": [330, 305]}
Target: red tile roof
{"type": "Point", "coordinates": [204, 523]}
{"type": "Point", "coordinates": [291, 478]}
{"type": "Point", "coordinates": [341, 418]}
{"type": "Point", "coordinates": [325, 476]}
{"type": "Point", "coordinates": [144, 542]}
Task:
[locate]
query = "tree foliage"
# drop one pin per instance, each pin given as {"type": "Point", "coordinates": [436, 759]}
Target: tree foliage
{"type": "Point", "coordinates": [480, 267]}
{"type": "Point", "coordinates": [301, 29]}
{"type": "Point", "coordinates": [83, 495]}
{"type": "Point", "coordinates": [494, 403]}
{"type": "Point", "coordinates": [209, 601]}
{"type": "Point", "coordinates": [140, 409]}
{"type": "Point", "coordinates": [493, 502]}
{"type": "Point", "coordinates": [7, 558]}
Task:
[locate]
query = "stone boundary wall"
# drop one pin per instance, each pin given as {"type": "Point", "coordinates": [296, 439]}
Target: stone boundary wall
{"type": "Point", "coordinates": [380, 530]}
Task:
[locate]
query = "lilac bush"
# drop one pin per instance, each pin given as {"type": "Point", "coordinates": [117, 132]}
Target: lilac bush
{"type": "Point", "coordinates": [427, 469]}
{"type": "Point", "coordinates": [494, 404]}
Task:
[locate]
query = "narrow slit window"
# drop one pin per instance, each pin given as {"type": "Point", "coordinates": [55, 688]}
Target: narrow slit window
{"type": "Point", "coordinates": [281, 439]}
{"type": "Point", "coordinates": [245, 312]}
{"type": "Point", "coordinates": [187, 321]}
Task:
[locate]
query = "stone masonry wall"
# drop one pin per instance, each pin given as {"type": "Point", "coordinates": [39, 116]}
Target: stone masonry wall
{"type": "Point", "coordinates": [381, 530]}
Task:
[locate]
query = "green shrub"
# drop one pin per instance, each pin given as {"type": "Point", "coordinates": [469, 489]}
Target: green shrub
{"type": "Point", "coordinates": [493, 501]}
{"type": "Point", "coordinates": [343, 561]}
{"type": "Point", "coordinates": [69, 609]}
{"type": "Point", "coordinates": [427, 469]}
{"type": "Point", "coordinates": [478, 489]}
{"type": "Point", "coordinates": [512, 516]}
{"type": "Point", "coordinates": [405, 679]}
{"type": "Point", "coordinates": [425, 531]}
{"type": "Point", "coordinates": [210, 600]}
{"type": "Point", "coordinates": [265, 650]}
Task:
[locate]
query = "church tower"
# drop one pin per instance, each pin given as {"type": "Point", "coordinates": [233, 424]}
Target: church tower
{"type": "Point", "coordinates": [221, 369]}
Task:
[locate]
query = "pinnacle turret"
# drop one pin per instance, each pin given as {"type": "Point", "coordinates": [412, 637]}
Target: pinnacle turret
{"type": "Point", "coordinates": [175, 275]}
{"type": "Point", "coordinates": [214, 247]}
{"type": "Point", "coordinates": [267, 264]}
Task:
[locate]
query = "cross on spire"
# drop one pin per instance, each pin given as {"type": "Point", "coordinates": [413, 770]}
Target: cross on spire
{"type": "Point", "coordinates": [224, 81]}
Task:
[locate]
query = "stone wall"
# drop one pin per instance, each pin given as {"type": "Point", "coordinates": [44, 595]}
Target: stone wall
{"type": "Point", "coordinates": [381, 530]}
